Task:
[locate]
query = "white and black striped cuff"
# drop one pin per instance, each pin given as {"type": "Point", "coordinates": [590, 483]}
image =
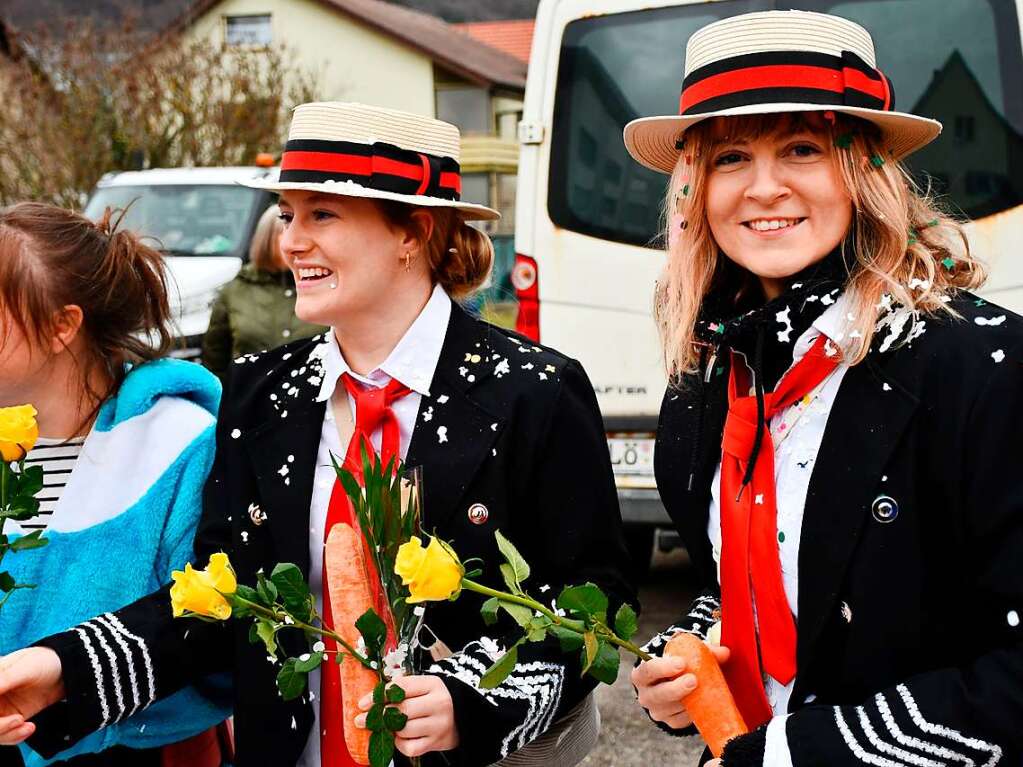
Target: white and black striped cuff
{"type": "Point", "coordinates": [890, 731]}
{"type": "Point", "coordinates": [108, 670]}
{"type": "Point", "coordinates": [703, 614]}
{"type": "Point", "coordinates": [528, 698]}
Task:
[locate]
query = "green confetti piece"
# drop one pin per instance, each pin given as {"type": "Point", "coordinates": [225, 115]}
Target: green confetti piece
{"type": "Point", "coordinates": [948, 263]}
{"type": "Point", "coordinates": [844, 141]}
{"type": "Point", "coordinates": [933, 222]}
{"type": "Point", "coordinates": [720, 328]}
{"type": "Point", "coordinates": [685, 190]}
{"type": "Point", "coordinates": [781, 537]}
{"type": "Point", "coordinates": [720, 370]}
{"type": "Point", "coordinates": [877, 161]}
{"type": "Point", "coordinates": [912, 240]}
{"type": "Point", "coordinates": [980, 302]}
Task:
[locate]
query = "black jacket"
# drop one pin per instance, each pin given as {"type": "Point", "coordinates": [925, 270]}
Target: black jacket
{"type": "Point", "coordinates": [910, 645]}
{"type": "Point", "coordinates": [524, 438]}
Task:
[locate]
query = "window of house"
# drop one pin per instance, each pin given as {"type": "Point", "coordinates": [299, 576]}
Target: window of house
{"type": "Point", "coordinates": [468, 108]}
{"type": "Point", "coordinates": [964, 128]}
{"type": "Point", "coordinates": [476, 188]}
{"type": "Point", "coordinates": [248, 30]}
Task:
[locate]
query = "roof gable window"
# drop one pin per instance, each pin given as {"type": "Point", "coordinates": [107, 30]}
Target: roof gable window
{"type": "Point", "coordinates": [248, 31]}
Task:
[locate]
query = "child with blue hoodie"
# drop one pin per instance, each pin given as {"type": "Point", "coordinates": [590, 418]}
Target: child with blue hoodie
{"type": "Point", "coordinates": [126, 442]}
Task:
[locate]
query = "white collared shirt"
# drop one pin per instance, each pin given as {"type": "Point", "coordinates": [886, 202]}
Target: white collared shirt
{"type": "Point", "coordinates": [413, 362]}
{"type": "Point", "coordinates": [797, 433]}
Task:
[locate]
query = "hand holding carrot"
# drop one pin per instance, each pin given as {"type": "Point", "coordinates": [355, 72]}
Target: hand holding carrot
{"type": "Point", "coordinates": [686, 685]}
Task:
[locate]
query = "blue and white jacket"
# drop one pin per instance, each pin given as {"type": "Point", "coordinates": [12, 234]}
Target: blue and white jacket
{"type": "Point", "coordinates": [126, 519]}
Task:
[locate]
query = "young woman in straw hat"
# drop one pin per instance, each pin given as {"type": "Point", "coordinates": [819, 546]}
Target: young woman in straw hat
{"type": "Point", "coordinates": [839, 443]}
{"type": "Point", "coordinates": [508, 435]}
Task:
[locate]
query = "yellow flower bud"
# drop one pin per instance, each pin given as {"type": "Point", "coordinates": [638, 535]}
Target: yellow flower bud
{"type": "Point", "coordinates": [18, 431]}
{"type": "Point", "coordinates": [432, 574]}
{"type": "Point", "coordinates": [202, 591]}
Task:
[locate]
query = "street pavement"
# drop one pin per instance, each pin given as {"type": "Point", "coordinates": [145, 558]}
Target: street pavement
{"type": "Point", "coordinates": [628, 738]}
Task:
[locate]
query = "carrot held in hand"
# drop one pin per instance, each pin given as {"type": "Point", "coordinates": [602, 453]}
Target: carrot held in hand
{"type": "Point", "coordinates": [350, 597]}
{"type": "Point", "coordinates": [710, 705]}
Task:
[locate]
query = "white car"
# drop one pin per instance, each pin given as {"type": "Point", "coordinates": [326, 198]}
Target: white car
{"type": "Point", "coordinates": [202, 219]}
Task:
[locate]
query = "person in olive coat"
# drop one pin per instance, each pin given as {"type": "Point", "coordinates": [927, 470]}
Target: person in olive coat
{"type": "Point", "coordinates": [256, 310]}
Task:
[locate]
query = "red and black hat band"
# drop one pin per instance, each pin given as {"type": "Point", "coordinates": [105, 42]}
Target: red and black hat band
{"type": "Point", "coordinates": [801, 77]}
{"type": "Point", "coordinates": [380, 166]}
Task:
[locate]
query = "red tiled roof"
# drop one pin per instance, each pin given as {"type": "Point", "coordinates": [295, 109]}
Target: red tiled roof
{"type": "Point", "coordinates": [513, 36]}
{"type": "Point", "coordinates": [451, 49]}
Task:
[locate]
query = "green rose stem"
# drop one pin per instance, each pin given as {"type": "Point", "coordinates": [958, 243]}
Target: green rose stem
{"type": "Point", "coordinates": [574, 625]}
{"type": "Point", "coordinates": [308, 628]}
{"type": "Point", "coordinates": [5, 472]}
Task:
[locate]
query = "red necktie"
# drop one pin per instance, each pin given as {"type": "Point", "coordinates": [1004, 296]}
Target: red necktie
{"type": "Point", "coordinates": [750, 563]}
{"type": "Point", "coordinates": [372, 411]}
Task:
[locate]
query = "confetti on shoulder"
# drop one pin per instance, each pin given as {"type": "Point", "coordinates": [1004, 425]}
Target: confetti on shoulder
{"type": "Point", "coordinates": [236, 433]}
{"type": "Point", "coordinates": [998, 355]}
{"type": "Point", "coordinates": [442, 434]}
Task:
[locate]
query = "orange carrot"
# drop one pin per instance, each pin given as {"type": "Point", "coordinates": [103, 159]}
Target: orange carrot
{"type": "Point", "coordinates": [350, 597]}
{"type": "Point", "coordinates": [710, 705]}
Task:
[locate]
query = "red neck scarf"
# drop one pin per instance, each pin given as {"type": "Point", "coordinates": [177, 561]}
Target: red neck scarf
{"type": "Point", "coordinates": [751, 578]}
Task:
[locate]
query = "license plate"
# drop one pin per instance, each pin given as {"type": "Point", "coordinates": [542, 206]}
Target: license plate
{"type": "Point", "coordinates": [632, 456]}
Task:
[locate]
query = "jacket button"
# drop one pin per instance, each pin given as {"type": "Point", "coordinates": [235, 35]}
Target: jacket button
{"type": "Point", "coordinates": [884, 509]}
{"type": "Point", "coordinates": [478, 513]}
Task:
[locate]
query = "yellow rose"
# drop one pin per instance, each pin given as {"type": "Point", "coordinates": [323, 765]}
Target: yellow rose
{"type": "Point", "coordinates": [202, 591]}
{"type": "Point", "coordinates": [18, 431]}
{"type": "Point", "coordinates": [432, 574]}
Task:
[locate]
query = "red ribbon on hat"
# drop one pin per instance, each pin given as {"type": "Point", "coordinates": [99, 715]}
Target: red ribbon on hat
{"type": "Point", "coordinates": [786, 76]}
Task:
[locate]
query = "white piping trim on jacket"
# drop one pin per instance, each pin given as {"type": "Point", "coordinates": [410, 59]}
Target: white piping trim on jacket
{"type": "Point", "coordinates": [115, 677]}
{"type": "Point", "coordinates": [145, 655]}
{"type": "Point", "coordinates": [937, 729]}
{"type": "Point", "coordinates": [136, 694]}
{"type": "Point", "coordinates": [858, 751]}
{"type": "Point", "coordinates": [909, 740]}
{"type": "Point", "coordinates": [97, 673]}
{"type": "Point", "coordinates": [886, 748]}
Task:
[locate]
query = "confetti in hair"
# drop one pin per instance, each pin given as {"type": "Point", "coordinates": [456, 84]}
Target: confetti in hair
{"type": "Point", "coordinates": [949, 263]}
{"type": "Point", "coordinates": [830, 116]}
{"type": "Point", "coordinates": [877, 160]}
{"type": "Point", "coordinates": [844, 141]}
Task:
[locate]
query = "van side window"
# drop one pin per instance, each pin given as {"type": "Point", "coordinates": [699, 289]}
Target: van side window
{"type": "Point", "coordinates": [617, 67]}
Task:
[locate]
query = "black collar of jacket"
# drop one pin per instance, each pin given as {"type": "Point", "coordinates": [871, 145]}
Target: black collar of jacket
{"type": "Point", "coordinates": [287, 432]}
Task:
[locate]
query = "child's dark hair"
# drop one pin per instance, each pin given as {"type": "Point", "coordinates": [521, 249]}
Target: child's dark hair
{"type": "Point", "coordinates": [51, 258]}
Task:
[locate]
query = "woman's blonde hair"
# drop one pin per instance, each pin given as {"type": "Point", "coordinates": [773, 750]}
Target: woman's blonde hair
{"type": "Point", "coordinates": [265, 243]}
{"type": "Point", "coordinates": [903, 244]}
{"type": "Point", "coordinates": [460, 256]}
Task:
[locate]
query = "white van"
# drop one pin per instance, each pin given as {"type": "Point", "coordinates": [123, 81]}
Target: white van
{"type": "Point", "coordinates": [201, 219]}
{"type": "Point", "coordinates": [587, 221]}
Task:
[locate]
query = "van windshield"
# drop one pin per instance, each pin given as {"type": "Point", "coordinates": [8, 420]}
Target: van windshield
{"type": "Point", "coordinates": [184, 219]}
{"type": "Point", "coordinates": [954, 60]}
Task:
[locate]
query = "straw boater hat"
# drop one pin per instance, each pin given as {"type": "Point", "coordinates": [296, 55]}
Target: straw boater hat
{"type": "Point", "coordinates": [363, 151]}
{"type": "Point", "coordinates": [779, 61]}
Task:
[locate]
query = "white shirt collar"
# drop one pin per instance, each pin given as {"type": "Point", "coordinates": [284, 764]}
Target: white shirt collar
{"type": "Point", "coordinates": [834, 322]}
{"type": "Point", "coordinates": [413, 360]}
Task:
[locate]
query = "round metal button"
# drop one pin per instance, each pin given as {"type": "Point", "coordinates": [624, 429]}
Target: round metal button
{"type": "Point", "coordinates": [884, 509]}
{"type": "Point", "coordinates": [478, 513]}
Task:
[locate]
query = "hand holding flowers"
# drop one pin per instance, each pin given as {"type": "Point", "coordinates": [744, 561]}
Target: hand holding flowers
{"type": "Point", "coordinates": [411, 571]}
